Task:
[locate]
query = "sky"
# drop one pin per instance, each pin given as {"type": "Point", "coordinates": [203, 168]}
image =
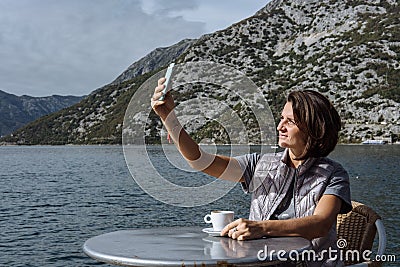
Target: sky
{"type": "Point", "coordinates": [72, 47]}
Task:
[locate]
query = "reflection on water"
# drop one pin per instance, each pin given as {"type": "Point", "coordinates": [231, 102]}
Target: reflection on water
{"type": "Point", "coordinates": [55, 198]}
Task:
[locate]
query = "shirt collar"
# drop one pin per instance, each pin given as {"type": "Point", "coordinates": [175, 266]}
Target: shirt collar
{"type": "Point", "coordinates": [303, 167]}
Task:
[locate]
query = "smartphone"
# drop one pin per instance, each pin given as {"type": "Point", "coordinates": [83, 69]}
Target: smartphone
{"type": "Point", "coordinates": [167, 81]}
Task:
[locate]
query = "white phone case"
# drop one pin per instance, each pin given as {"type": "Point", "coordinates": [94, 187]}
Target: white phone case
{"type": "Point", "coordinates": [167, 81]}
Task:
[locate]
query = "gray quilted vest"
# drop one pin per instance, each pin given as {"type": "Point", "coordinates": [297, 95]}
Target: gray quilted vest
{"type": "Point", "coordinates": [271, 181]}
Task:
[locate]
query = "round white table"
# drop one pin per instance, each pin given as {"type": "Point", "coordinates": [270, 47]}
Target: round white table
{"type": "Point", "coordinates": [188, 246]}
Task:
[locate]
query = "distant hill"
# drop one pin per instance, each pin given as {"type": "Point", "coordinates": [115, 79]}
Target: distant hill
{"type": "Point", "coordinates": [97, 119]}
{"type": "Point", "coordinates": [348, 50]}
{"type": "Point", "coordinates": [16, 111]}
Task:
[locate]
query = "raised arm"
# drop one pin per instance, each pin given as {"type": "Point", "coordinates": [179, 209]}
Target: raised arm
{"type": "Point", "coordinates": [223, 167]}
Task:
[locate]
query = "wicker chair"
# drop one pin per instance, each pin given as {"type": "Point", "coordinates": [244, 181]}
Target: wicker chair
{"type": "Point", "coordinates": [358, 228]}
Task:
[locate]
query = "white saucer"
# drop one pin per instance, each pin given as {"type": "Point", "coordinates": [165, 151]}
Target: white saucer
{"type": "Point", "coordinates": [211, 232]}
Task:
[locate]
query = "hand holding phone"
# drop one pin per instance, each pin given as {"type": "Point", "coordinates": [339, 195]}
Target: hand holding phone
{"type": "Point", "coordinates": [167, 81]}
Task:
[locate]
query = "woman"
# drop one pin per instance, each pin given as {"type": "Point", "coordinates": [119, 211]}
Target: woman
{"type": "Point", "coordinates": [298, 192]}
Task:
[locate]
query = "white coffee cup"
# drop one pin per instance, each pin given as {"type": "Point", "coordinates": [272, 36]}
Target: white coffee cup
{"type": "Point", "coordinates": [219, 218]}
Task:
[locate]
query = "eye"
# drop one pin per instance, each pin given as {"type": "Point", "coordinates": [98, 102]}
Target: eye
{"type": "Point", "coordinates": [291, 122]}
{"type": "Point", "coordinates": [287, 121]}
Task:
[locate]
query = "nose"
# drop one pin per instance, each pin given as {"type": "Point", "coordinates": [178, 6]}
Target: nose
{"type": "Point", "coordinates": [280, 126]}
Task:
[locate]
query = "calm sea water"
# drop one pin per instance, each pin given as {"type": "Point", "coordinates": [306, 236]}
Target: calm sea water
{"type": "Point", "coordinates": [54, 198]}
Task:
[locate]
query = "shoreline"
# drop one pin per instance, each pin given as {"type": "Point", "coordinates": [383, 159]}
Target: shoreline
{"type": "Point", "coordinates": [253, 145]}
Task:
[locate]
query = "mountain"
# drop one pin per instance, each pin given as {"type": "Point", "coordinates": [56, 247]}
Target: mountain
{"type": "Point", "coordinates": [16, 111]}
{"type": "Point", "coordinates": [349, 50]}
{"type": "Point", "coordinates": [97, 119]}
{"type": "Point", "coordinates": [154, 60]}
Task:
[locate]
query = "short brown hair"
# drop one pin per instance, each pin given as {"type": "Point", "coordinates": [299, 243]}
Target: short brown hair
{"type": "Point", "coordinates": [315, 115]}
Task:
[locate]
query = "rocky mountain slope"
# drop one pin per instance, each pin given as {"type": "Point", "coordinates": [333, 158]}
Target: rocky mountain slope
{"type": "Point", "coordinates": [156, 59]}
{"type": "Point", "coordinates": [347, 49]}
{"type": "Point", "coordinates": [16, 111]}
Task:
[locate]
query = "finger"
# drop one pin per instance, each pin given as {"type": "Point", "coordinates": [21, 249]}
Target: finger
{"type": "Point", "coordinates": [241, 238]}
{"type": "Point", "coordinates": [236, 234]}
{"type": "Point", "coordinates": [159, 88]}
{"type": "Point", "coordinates": [156, 96]}
{"type": "Point", "coordinates": [224, 231]}
{"type": "Point", "coordinates": [245, 236]}
{"type": "Point", "coordinates": [231, 225]}
{"type": "Point", "coordinates": [228, 227]}
{"type": "Point", "coordinates": [155, 102]}
{"type": "Point", "coordinates": [161, 81]}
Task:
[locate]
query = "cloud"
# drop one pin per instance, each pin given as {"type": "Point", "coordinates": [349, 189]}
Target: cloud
{"type": "Point", "coordinates": [217, 15]}
{"type": "Point", "coordinates": [77, 46]}
{"type": "Point", "coordinates": [166, 8]}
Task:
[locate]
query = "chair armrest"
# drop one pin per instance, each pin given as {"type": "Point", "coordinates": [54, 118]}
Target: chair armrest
{"type": "Point", "coordinates": [382, 237]}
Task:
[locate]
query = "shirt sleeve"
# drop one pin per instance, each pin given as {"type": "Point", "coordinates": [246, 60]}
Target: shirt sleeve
{"type": "Point", "coordinates": [339, 186]}
{"type": "Point", "coordinates": [248, 164]}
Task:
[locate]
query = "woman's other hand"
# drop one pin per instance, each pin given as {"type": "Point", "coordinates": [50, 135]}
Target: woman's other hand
{"type": "Point", "coordinates": [243, 229]}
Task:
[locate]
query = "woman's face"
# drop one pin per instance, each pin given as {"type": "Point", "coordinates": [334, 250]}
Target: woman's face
{"type": "Point", "coordinates": [290, 135]}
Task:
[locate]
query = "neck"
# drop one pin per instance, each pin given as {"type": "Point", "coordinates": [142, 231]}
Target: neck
{"type": "Point", "coordinates": [293, 159]}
